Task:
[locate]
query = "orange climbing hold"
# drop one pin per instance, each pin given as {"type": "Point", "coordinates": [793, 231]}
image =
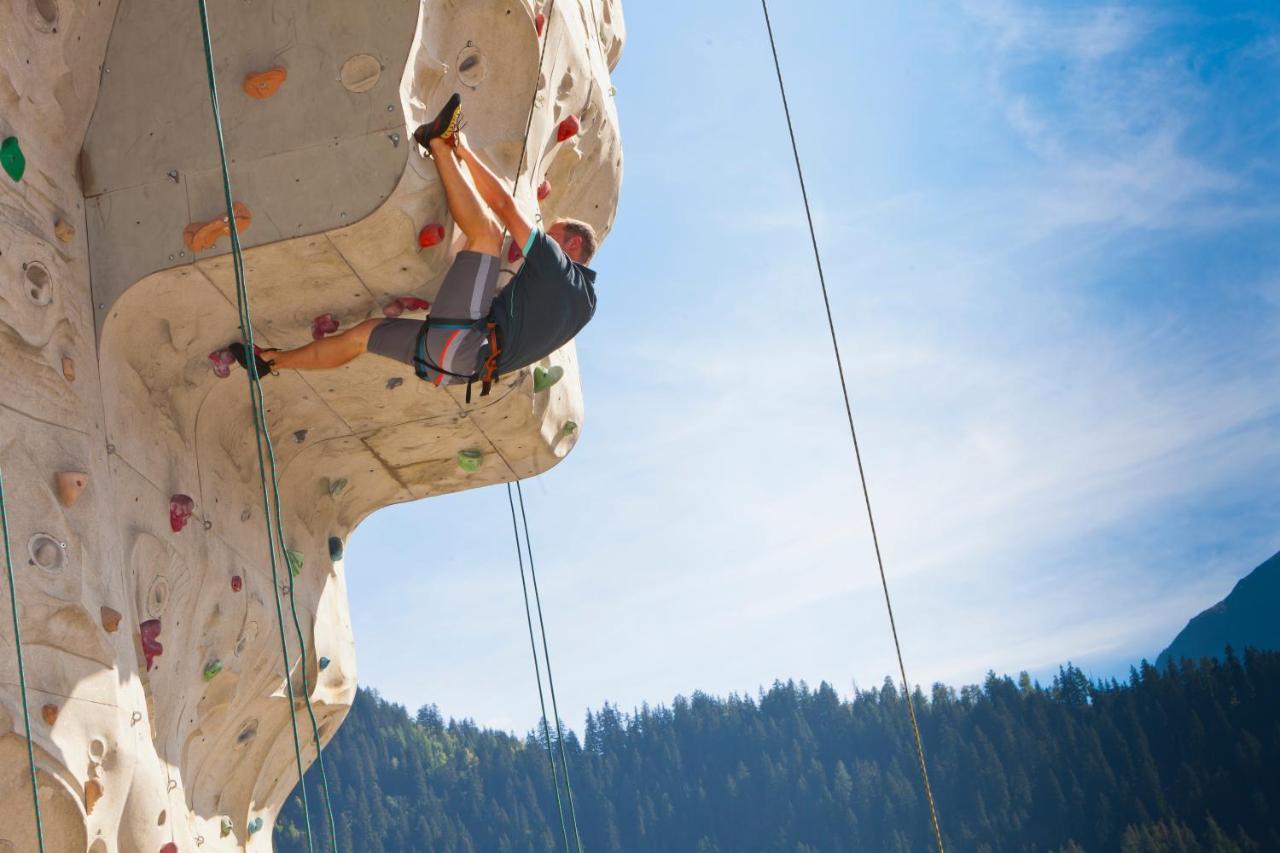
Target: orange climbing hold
{"type": "Point", "coordinates": [50, 714]}
{"type": "Point", "coordinates": [69, 485]}
{"type": "Point", "coordinates": [92, 793]}
{"type": "Point", "coordinates": [68, 368]}
{"type": "Point", "coordinates": [263, 84]}
{"type": "Point", "coordinates": [202, 235]}
{"type": "Point", "coordinates": [110, 619]}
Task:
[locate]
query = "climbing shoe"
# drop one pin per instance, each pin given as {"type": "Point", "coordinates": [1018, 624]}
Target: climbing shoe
{"type": "Point", "coordinates": [444, 125]}
{"type": "Point", "coordinates": [265, 368]}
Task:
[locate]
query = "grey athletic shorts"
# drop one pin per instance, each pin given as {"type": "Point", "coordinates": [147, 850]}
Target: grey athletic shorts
{"type": "Point", "coordinates": [458, 322]}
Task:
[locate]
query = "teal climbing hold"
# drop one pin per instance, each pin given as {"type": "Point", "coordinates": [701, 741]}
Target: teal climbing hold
{"type": "Point", "coordinates": [255, 825]}
{"type": "Point", "coordinates": [295, 561]}
{"type": "Point", "coordinates": [469, 460]}
{"type": "Point", "coordinates": [212, 669]}
{"type": "Point", "coordinates": [12, 159]}
{"type": "Point", "coordinates": [544, 379]}
{"type": "Point", "coordinates": [336, 486]}
{"type": "Point", "coordinates": [335, 548]}
{"type": "Point", "coordinates": [324, 663]}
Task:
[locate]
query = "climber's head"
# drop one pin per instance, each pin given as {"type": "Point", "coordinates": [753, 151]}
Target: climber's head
{"type": "Point", "coordinates": [577, 238]}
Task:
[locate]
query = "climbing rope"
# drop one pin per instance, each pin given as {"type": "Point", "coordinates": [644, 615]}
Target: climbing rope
{"type": "Point", "coordinates": [546, 656]}
{"type": "Point", "coordinates": [853, 434]}
{"type": "Point", "coordinates": [537, 671]}
{"type": "Point", "coordinates": [266, 454]}
{"type": "Point", "coordinates": [22, 674]}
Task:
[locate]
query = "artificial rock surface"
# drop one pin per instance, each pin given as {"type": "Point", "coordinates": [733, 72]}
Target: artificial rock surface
{"type": "Point", "coordinates": [109, 406]}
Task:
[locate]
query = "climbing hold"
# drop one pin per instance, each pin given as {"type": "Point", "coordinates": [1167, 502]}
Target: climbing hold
{"type": "Point", "coordinates": [360, 73]}
{"type": "Point", "coordinates": [151, 648]}
{"type": "Point", "coordinates": [64, 230]}
{"type": "Point", "coordinates": [324, 663]}
{"type": "Point", "coordinates": [325, 324]}
{"type": "Point", "coordinates": [394, 382]}
{"type": "Point", "coordinates": [300, 435]}
{"type": "Point", "coordinates": [69, 485]}
{"type": "Point", "coordinates": [50, 714]}
{"type": "Point", "coordinates": [514, 253]}
{"type": "Point", "coordinates": [12, 160]}
{"type": "Point", "coordinates": [336, 486]}
{"type": "Point", "coordinates": [335, 548]}
{"type": "Point", "coordinates": [263, 84]}
{"type": "Point", "coordinates": [540, 22]}
{"type": "Point", "coordinates": [68, 368]}
{"type": "Point", "coordinates": [171, 847]}
{"type": "Point", "coordinates": [254, 825]}
{"type": "Point", "coordinates": [211, 669]}
{"type": "Point", "coordinates": [544, 189]}
{"type": "Point", "coordinates": [394, 308]}
{"type": "Point", "coordinates": [430, 235]}
{"type": "Point", "coordinates": [237, 583]}
{"type": "Point", "coordinates": [544, 379]}
{"type": "Point", "coordinates": [199, 236]}
{"type": "Point", "coordinates": [180, 509]}
{"type": "Point", "coordinates": [413, 303]}
{"type": "Point", "coordinates": [222, 360]}
{"type": "Point", "coordinates": [469, 460]}
{"type": "Point", "coordinates": [294, 559]}
{"type": "Point", "coordinates": [110, 619]}
{"type": "Point", "coordinates": [92, 793]}
{"type": "Point", "coordinates": [227, 827]}
{"type": "Point", "coordinates": [569, 428]}
{"type": "Point", "coordinates": [568, 128]}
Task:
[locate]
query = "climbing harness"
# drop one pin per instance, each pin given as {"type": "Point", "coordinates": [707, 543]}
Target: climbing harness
{"type": "Point", "coordinates": [266, 456]}
{"type": "Point", "coordinates": [853, 434]}
{"type": "Point", "coordinates": [22, 674]}
{"type": "Point", "coordinates": [486, 376]}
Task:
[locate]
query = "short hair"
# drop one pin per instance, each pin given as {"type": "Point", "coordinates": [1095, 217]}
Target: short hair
{"type": "Point", "coordinates": [578, 228]}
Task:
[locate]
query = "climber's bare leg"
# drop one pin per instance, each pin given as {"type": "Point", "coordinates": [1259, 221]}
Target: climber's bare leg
{"type": "Point", "coordinates": [326, 353]}
{"type": "Point", "coordinates": [465, 204]}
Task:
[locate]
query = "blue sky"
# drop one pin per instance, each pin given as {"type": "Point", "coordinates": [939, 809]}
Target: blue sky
{"type": "Point", "coordinates": [1053, 244]}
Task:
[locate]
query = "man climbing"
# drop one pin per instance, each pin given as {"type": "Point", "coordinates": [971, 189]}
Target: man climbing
{"type": "Point", "coordinates": [474, 333]}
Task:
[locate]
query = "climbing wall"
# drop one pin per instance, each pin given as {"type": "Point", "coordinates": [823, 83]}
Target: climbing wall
{"type": "Point", "coordinates": [157, 689]}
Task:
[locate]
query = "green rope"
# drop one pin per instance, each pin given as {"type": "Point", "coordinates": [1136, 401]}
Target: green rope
{"type": "Point", "coordinates": [266, 452]}
{"type": "Point", "coordinates": [546, 656]}
{"type": "Point", "coordinates": [22, 675]}
{"type": "Point", "coordinates": [537, 672]}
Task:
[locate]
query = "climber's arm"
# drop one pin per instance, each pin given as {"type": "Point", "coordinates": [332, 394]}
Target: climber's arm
{"type": "Point", "coordinates": [495, 195]}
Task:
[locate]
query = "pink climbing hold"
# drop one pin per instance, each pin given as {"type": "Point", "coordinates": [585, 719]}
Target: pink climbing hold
{"type": "Point", "coordinates": [540, 22]}
{"type": "Point", "coordinates": [430, 235]}
{"type": "Point", "coordinates": [514, 254]}
{"type": "Point", "coordinates": [568, 128]}
{"type": "Point", "coordinates": [394, 308]}
{"type": "Point", "coordinates": [222, 360]}
{"type": "Point", "coordinates": [237, 583]}
{"type": "Point", "coordinates": [180, 509]}
{"type": "Point", "coordinates": [544, 190]}
{"type": "Point", "coordinates": [151, 648]}
{"type": "Point", "coordinates": [325, 324]}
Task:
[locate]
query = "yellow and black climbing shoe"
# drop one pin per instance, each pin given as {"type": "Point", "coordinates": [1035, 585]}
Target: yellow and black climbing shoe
{"type": "Point", "coordinates": [264, 367]}
{"type": "Point", "coordinates": [444, 125]}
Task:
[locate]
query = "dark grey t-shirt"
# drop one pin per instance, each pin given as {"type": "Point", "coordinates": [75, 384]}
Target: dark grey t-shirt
{"type": "Point", "coordinates": [544, 306]}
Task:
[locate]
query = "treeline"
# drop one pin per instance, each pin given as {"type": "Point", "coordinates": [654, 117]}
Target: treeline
{"type": "Point", "coordinates": [1180, 759]}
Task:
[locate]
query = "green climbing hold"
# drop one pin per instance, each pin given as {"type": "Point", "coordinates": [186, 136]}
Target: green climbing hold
{"type": "Point", "coordinates": [469, 460]}
{"type": "Point", "coordinates": [336, 486]}
{"type": "Point", "coordinates": [324, 663]}
{"type": "Point", "coordinates": [212, 669]}
{"type": "Point", "coordinates": [12, 159]}
{"type": "Point", "coordinates": [227, 826]}
{"type": "Point", "coordinates": [255, 825]}
{"type": "Point", "coordinates": [295, 561]}
{"type": "Point", "coordinates": [569, 428]}
{"type": "Point", "coordinates": [335, 548]}
{"type": "Point", "coordinates": [544, 379]}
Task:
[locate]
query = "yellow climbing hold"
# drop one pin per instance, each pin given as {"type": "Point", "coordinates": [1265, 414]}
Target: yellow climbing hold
{"type": "Point", "coordinates": [295, 561]}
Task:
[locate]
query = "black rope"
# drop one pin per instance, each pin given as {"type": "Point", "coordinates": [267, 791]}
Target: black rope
{"type": "Point", "coordinates": [853, 434]}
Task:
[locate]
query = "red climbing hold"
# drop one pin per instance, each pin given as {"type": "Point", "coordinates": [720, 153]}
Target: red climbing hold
{"type": "Point", "coordinates": [325, 324]}
{"type": "Point", "coordinates": [222, 360]}
{"type": "Point", "coordinates": [568, 128]}
{"type": "Point", "coordinates": [544, 190]}
{"type": "Point", "coordinates": [541, 23]}
{"type": "Point", "coordinates": [180, 509]}
{"type": "Point", "coordinates": [169, 848]}
{"type": "Point", "coordinates": [514, 254]}
{"type": "Point", "coordinates": [151, 648]}
{"type": "Point", "coordinates": [236, 583]}
{"type": "Point", "coordinates": [413, 303]}
{"type": "Point", "coordinates": [430, 235]}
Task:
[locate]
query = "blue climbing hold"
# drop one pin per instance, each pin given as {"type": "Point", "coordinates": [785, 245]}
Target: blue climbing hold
{"type": "Point", "coordinates": [324, 663]}
{"type": "Point", "coordinates": [335, 548]}
{"type": "Point", "coordinates": [254, 825]}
